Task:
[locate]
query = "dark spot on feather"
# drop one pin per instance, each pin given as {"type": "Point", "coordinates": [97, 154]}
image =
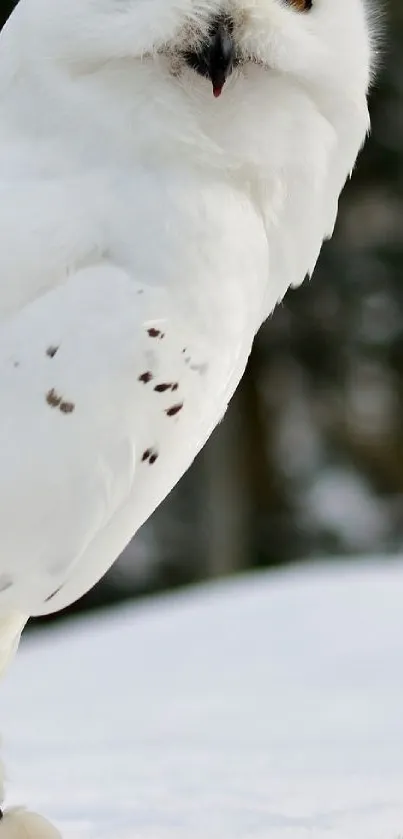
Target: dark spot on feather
{"type": "Point", "coordinates": [163, 387]}
{"type": "Point", "coordinates": [153, 332]}
{"type": "Point", "coordinates": [175, 386]}
{"type": "Point", "coordinates": [150, 455]}
{"type": "Point", "coordinates": [146, 377]}
{"type": "Point", "coordinates": [53, 399]}
{"type": "Point", "coordinates": [67, 407]}
{"type": "Point", "coordinates": [51, 351]}
{"type": "Point", "coordinates": [5, 582]}
{"type": "Point", "coordinates": [56, 591]}
{"type": "Point", "coordinates": [174, 409]}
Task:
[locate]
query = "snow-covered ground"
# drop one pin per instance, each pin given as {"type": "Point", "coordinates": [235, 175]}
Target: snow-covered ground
{"type": "Point", "coordinates": [270, 707]}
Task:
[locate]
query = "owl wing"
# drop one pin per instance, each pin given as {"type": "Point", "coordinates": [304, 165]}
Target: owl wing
{"type": "Point", "coordinates": [337, 166]}
{"type": "Point", "coordinates": [74, 425]}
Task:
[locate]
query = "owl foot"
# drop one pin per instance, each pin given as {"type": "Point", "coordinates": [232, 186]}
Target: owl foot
{"type": "Point", "coordinates": [18, 823]}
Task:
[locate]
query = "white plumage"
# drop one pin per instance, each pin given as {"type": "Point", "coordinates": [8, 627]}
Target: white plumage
{"type": "Point", "coordinates": [147, 230]}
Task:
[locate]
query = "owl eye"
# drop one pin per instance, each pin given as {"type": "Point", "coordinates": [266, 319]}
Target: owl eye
{"type": "Point", "coordinates": [302, 5]}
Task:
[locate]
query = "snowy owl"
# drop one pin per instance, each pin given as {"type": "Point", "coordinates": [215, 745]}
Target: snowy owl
{"type": "Point", "coordinates": [169, 168]}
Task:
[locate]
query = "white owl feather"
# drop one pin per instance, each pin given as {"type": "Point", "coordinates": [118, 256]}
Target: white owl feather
{"type": "Point", "coordinates": [148, 228]}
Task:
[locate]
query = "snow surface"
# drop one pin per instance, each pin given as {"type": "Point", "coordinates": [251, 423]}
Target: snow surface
{"type": "Point", "coordinates": [269, 707]}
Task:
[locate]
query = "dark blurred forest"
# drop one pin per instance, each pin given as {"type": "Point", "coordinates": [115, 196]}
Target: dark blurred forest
{"type": "Point", "coordinates": [308, 462]}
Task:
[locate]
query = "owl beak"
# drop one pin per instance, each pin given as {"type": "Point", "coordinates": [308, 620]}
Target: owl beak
{"type": "Point", "coordinates": [215, 59]}
{"type": "Point", "coordinates": [220, 57]}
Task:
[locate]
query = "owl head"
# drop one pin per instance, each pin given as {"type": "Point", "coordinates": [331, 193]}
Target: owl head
{"type": "Point", "coordinates": [327, 44]}
{"type": "Point", "coordinates": [274, 90]}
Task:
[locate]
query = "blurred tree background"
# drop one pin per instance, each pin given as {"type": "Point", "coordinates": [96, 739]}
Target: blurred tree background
{"type": "Point", "coordinates": [309, 459]}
